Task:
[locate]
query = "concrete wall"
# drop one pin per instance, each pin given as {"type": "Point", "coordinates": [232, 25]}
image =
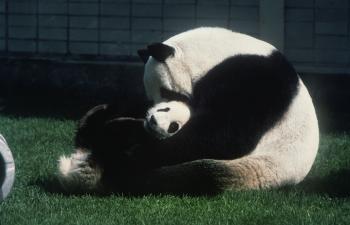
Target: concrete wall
{"type": "Point", "coordinates": [317, 34]}
{"type": "Point", "coordinates": [314, 34]}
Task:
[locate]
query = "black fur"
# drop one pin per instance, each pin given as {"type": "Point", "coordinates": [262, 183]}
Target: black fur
{"type": "Point", "coordinates": [160, 51]}
{"type": "Point", "coordinates": [167, 109]}
{"type": "Point", "coordinates": [232, 107]}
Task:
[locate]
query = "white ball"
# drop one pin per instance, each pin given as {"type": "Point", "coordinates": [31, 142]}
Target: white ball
{"type": "Point", "coordinates": [7, 169]}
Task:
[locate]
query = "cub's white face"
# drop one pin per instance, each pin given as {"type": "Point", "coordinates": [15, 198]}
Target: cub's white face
{"type": "Point", "coordinates": [167, 118]}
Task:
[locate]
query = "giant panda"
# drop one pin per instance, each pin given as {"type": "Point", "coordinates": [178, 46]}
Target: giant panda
{"type": "Point", "coordinates": [228, 112]}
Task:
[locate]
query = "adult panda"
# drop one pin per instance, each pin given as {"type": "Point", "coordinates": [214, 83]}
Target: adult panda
{"type": "Point", "coordinates": [229, 113]}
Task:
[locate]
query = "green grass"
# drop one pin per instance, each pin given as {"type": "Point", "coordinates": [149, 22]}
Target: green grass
{"type": "Point", "coordinates": [323, 198]}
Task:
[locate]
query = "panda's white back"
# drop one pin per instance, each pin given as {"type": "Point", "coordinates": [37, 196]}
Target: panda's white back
{"type": "Point", "coordinates": [196, 52]}
{"type": "Point", "coordinates": [208, 46]}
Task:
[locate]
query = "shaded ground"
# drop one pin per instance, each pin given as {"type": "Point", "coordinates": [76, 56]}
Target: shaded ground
{"type": "Point", "coordinates": [68, 89]}
{"type": "Point", "coordinates": [60, 89]}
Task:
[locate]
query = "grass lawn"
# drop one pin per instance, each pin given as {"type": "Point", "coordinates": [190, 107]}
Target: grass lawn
{"type": "Point", "coordinates": [323, 198]}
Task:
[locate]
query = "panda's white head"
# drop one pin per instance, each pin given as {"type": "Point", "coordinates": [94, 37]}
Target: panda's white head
{"type": "Point", "coordinates": [166, 76]}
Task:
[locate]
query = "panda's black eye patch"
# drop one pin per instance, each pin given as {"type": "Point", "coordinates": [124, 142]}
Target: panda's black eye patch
{"type": "Point", "coordinates": [172, 95]}
{"type": "Point", "coordinates": [173, 127]}
{"type": "Point", "coordinates": [167, 109]}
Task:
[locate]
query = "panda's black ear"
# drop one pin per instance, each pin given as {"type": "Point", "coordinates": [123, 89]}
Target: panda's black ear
{"type": "Point", "coordinates": [144, 54]}
{"type": "Point", "coordinates": [160, 51]}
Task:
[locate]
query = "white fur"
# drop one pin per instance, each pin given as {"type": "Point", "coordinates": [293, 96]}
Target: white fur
{"type": "Point", "coordinates": [293, 143]}
{"type": "Point", "coordinates": [178, 112]}
{"type": "Point", "coordinates": [284, 154]}
{"type": "Point", "coordinates": [76, 173]}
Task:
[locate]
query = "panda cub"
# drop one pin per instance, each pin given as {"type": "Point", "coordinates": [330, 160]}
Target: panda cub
{"type": "Point", "coordinates": [167, 118]}
{"type": "Point", "coordinates": [229, 113]}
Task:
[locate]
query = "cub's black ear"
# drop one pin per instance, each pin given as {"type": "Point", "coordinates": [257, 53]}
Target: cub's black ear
{"type": "Point", "coordinates": [160, 51]}
{"type": "Point", "coordinates": [144, 54]}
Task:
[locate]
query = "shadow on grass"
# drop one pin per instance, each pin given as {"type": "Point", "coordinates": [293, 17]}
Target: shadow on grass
{"type": "Point", "coordinates": [51, 185]}
{"type": "Point", "coordinates": [335, 185]}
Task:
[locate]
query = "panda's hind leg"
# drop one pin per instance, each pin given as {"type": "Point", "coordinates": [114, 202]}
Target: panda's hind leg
{"type": "Point", "coordinates": [77, 173]}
